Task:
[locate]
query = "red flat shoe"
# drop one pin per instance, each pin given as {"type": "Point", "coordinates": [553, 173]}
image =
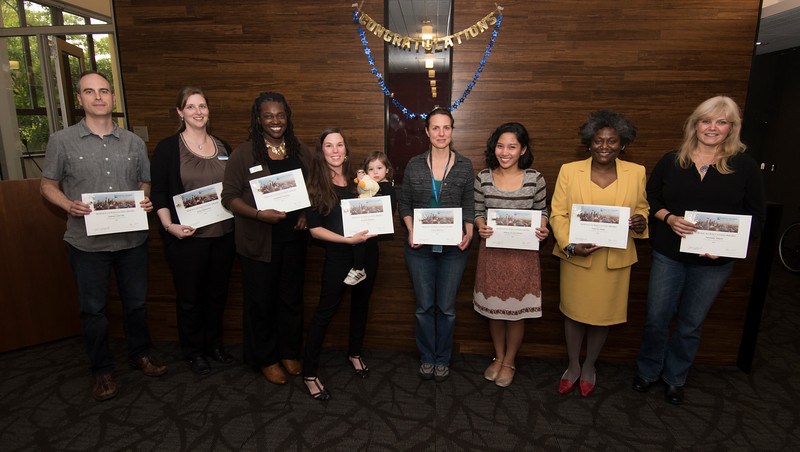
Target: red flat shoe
{"type": "Point", "coordinates": [588, 387]}
{"type": "Point", "coordinates": [566, 386]}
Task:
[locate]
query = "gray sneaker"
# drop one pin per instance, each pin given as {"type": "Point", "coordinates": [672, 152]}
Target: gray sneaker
{"type": "Point", "coordinates": [441, 372]}
{"type": "Point", "coordinates": [426, 371]}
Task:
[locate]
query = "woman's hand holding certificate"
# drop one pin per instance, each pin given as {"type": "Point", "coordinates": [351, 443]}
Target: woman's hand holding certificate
{"type": "Point", "coordinates": [599, 225]}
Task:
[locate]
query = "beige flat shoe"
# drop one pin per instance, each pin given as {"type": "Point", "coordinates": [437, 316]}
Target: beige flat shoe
{"type": "Point", "coordinates": [505, 380]}
{"type": "Point", "coordinates": [492, 371]}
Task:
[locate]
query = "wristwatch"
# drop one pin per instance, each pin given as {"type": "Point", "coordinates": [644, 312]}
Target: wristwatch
{"type": "Point", "coordinates": [569, 250]}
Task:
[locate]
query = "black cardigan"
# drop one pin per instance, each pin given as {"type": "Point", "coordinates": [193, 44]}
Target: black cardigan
{"type": "Point", "coordinates": [165, 174]}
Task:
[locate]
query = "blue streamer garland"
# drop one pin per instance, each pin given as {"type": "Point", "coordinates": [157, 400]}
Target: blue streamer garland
{"type": "Point", "coordinates": [388, 93]}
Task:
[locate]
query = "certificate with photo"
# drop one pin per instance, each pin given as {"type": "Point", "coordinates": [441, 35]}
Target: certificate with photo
{"type": "Point", "coordinates": [371, 214]}
{"type": "Point", "coordinates": [718, 234]}
{"type": "Point", "coordinates": [201, 207]}
{"type": "Point", "coordinates": [602, 225]}
{"type": "Point", "coordinates": [284, 192]}
{"type": "Point", "coordinates": [437, 226]}
{"type": "Point", "coordinates": [114, 212]}
{"type": "Point", "coordinates": [515, 229]}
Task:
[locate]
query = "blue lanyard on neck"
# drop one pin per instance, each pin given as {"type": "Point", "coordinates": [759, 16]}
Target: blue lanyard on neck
{"type": "Point", "coordinates": [433, 179]}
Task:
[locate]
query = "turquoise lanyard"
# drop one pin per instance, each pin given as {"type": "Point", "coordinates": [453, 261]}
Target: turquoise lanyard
{"type": "Point", "coordinates": [438, 248]}
{"type": "Point", "coordinates": [433, 179]}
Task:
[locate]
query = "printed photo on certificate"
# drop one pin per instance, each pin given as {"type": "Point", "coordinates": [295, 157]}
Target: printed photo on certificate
{"type": "Point", "coordinates": [598, 224]}
{"type": "Point", "coordinates": [437, 226]}
{"type": "Point", "coordinates": [718, 234]}
{"type": "Point", "coordinates": [515, 229]}
{"type": "Point", "coordinates": [115, 212]}
{"type": "Point", "coordinates": [201, 207]}
{"type": "Point", "coordinates": [284, 192]}
{"type": "Point", "coordinates": [371, 214]}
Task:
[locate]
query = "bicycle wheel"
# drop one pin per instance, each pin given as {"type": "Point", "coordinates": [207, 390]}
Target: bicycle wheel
{"type": "Point", "coordinates": [789, 248]}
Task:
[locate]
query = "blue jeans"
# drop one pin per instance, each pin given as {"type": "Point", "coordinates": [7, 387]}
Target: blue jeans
{"type": "Point", "coordinates": [92, 272]}
{"type": "Point", "coordinates": [436, 277]}
{"type": "Point", "coordinates": [684, 292]}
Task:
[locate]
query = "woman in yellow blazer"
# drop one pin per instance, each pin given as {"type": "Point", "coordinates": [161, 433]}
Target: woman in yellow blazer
{"type": "Point", "coordinates": [594, 279]}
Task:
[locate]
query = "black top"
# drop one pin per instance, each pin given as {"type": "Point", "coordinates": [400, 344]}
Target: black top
{"type": "Point", "coordinates": [284, 231]}
{"type": "Point", "coordinates": [387, 189]}
{"type": "Point", "coordinates": [679, 190]}
{"type": "Point", "coordinates": [332, 221]}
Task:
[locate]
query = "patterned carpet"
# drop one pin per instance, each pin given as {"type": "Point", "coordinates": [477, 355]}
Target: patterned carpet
{"type": "Point", "coordinates": [45, 403]}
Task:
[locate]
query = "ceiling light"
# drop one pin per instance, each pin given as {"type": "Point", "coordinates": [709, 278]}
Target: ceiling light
{"type": "Point", "coordinates": [427, 30]}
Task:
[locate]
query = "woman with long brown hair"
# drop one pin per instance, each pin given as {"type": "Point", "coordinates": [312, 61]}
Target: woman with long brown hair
{"type": "Point", "coordinates": [330, 181]}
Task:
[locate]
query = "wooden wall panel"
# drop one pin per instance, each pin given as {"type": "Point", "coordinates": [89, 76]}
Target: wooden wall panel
{"type": "Point", "coordinates": [39, 302]}
{"type": "Point", "coordinates": [554, 62]}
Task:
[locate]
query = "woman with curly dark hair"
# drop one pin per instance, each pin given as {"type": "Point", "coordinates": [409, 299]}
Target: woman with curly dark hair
{"type": "Point", "coordinates": [271, 244]}
{"type": "Point", "coordinates": [594, 279]}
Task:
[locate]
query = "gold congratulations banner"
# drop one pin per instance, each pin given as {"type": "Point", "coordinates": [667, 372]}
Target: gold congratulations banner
{"type": "Point", "coordinates": [427, 45]}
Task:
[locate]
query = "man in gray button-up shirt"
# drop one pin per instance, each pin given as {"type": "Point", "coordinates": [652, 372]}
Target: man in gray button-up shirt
{"type": "Point", "coordinates": [96, 156]}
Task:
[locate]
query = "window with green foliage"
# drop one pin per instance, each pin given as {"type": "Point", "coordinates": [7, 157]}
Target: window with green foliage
{"type": "Point", "coordinates": [26, 64]}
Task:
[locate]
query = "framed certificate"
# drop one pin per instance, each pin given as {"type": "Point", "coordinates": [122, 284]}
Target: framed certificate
{"type": "Point", "coordinates": [598, 224]}
{"type": "Point", "coordinates": [373, 214]}
{"type": "Point", "coordinates": [284, 192]}
{"type": "Point", "coordinates": [718, 234]}
{"type": "Point", "coordinates": [514, 229]}
{"type": "Point", "coordinates": [437, 226]}
{"type": "Point", "coordinates": [114, 212]}
{"type": "Point", "coordinates": [201, 207]}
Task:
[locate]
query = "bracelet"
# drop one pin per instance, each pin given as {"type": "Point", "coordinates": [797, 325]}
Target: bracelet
{"type": "Point", "coordinates": [258, 211]}
{"type": "Point", "coordinates": [166, 228]}
{"type": "Point", "coordinates": [569, 250]}
{"type": "Point", "coordinates": [667, 216]}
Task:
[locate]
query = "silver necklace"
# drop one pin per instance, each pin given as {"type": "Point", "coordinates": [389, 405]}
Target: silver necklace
{"type": "Point", "coordinates": [197, 145]}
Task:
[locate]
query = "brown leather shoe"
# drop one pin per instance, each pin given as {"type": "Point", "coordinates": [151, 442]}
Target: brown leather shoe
{"type": "Point", "coordinates": [149, 366]}
{"type": "Point", "coordinates": [292, 366]}
{"type": "Point", "coordinates": [274, 374]}
{"type": "Point", "coordinates": [104, 387]}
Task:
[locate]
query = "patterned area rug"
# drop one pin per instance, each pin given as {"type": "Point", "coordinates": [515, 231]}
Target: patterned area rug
{"type": "Point", "coordinates": [45, 403]}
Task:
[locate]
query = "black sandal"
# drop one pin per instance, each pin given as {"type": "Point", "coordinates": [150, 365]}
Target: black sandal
{"type": "Point", "coordinates": [364, 371]}
{"type": "Point", "coordinates": [322, 394]}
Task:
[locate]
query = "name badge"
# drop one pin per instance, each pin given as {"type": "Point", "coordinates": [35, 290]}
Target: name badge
{"type": "Point", "coordinates": [222, 157]}
{"type": "Point", "coordinates": [256, 169]}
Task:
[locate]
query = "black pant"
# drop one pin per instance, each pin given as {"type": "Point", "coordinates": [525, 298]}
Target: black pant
{"type": "Point", "coordinates": [273, 304]}
{"type": "Point", "coordinates": [201, 269]}
{"type": "Point", "coordinates": [338, 261]}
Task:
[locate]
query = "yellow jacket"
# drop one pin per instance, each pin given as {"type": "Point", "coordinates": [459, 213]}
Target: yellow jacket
{"type": "Point", "coordinates": [574, 187]}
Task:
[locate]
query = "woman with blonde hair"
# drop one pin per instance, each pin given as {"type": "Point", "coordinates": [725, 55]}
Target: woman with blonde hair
{"type": "Point", "coordinates": [709, 172]}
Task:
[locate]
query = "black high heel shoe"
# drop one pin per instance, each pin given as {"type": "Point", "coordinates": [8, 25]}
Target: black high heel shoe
{"type": "Point", "coordinates": [361, 373]}
{"type": "Point", "coordinates": [322, 394]}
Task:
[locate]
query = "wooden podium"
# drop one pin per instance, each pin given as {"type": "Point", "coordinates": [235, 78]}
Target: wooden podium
{"type": "Point", "coordinates": [39, 299]}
